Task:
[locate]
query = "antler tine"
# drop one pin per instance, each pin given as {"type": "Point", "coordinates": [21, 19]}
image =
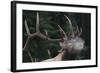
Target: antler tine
{"type": "Point", "coordinates": [54, 40]}
{"type": "Point", "coordinates": [27, 41]}
{"type": "Point", "coordinates": [37, 22]}
{"type": "Point", "coordinates": [77, 29]}
{"type": "Point", "coordinates": [71, 27]}
{"type": "Point", "coordinates": [27, 29]}
{"type": "Point", "coordinates": [46, 33]}
{"type": "Point", "coordinates": [62, 31]}
{"type": "Point", "coordinates": [80, 32]}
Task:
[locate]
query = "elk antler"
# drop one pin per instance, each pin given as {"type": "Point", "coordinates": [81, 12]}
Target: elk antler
{"type": "Point", "coordinates": [27, 29]}
{"type": "Point", "coordinates": [78, 32]}
{"type": "Point", "coordinates": [37, 23]}
{"type": "Point", "coordinates": [50, 39]}
{"type": "Point", "coordinates": [37, 33]}
{"type": "Point", "coordinates": [61, 30]}
{"type": "Point", "coordinates": [70, 26]}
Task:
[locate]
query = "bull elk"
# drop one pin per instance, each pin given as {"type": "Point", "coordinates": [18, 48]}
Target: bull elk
{"type": "Point", "coordinates": [70, 44]}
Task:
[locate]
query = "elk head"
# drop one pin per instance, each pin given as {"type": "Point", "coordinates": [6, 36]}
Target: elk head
{"type": "Point", "coordinates": [73, 41]}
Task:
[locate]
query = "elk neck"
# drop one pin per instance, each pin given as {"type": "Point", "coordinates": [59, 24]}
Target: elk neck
{"type": "Point", "coordinates": [66, 55]}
